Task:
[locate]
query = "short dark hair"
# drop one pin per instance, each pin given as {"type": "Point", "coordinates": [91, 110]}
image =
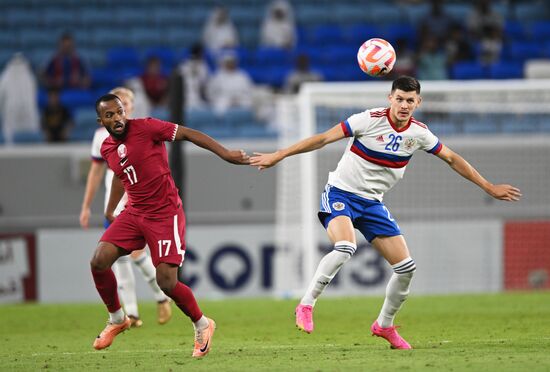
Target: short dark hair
{"type": "Point", "coordinates": [105, 98]}
{"type": "Point", "coordinates": [406, 84]}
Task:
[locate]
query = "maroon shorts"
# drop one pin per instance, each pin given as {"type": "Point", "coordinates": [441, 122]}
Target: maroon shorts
{"type": "Point", "coordinates": [164, 236]}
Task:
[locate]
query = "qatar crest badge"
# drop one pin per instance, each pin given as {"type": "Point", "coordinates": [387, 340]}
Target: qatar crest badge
{"type": "Point", "coordinates": [338, 206]}
{"type": "Point", "coordinates": [122, 151]}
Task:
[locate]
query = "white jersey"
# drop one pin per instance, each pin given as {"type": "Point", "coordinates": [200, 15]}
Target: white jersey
{"type": "Point", "coordinates": [378, 152]}
{"type": "Point", "coordinates": [99, 136]}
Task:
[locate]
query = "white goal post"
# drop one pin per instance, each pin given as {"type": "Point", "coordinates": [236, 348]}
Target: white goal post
{"type": "Point", "coordinates": [472, 114]}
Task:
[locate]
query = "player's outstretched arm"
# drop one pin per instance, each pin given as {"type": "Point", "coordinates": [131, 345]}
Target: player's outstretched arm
{"type": "Point", "coordinates": [206, 142]}
{"type": "Point", "coordinates": [462, 167]}
{"type": "Point", "coordinates": [117, 191]}
{"type": "Point", "coordinates": [263, 161]}
{"type": "Point", "coordinates": [95, 175]}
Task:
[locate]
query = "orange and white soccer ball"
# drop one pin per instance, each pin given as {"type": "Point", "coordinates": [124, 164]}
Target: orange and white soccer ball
{"type": "Point", "coordinates": [376, 57]}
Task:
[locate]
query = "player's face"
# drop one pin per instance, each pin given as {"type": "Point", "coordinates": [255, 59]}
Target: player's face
{"type": "Point", "coordinates": [113, 117]}
{"type": "Point", "coordinates": [403, 104]}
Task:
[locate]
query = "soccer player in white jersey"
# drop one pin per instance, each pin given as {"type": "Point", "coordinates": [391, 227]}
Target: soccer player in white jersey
{"type": "Point", "coordinates": [382, 141]}
{"type": "Point", "coordinates": [123, 266]}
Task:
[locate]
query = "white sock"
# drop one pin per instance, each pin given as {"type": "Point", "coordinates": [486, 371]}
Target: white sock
{"type": "Point", "coordinates": [117, 317]}
{"type": "Point", "coordinates": [397, 291]}
{"type": "Point", "coordinates": [327, 269]}
{"type": "Point", "coordinates": [145, 265]}
{"type": "Point", "coordinates": [126, 285]}
{"type": "Point", "coordinates": [200, 324]}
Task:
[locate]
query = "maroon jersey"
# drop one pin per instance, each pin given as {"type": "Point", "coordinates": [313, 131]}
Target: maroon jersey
{"type": "Point", "coordinates": [140, 161]}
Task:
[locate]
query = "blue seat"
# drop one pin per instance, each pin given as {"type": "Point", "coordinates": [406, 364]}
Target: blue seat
{"type": "Point", "coordinates": [540, 31]}
{"type": "Point", "coordinates": [75, 98]}
{"type": "Point", "coordinates": [105, 78]}
{"type": "Point", "coordinates": [359, 33]}
{"type": "Point", "coordinates": [199, 118]}
{"type": "Point", "coordinates": [531, 11]}
{"type": "Point", "coordinates": [416, 12]}
{"type": "Point", "coordinates": [524, 50]}
{"type": "Point", "coordinates": [458, 11]}
{"type": "Point", "coordinates": [468, 70]}
{"type": "Point", "coordinates": [480, 127]}
{"type": "Point", "coordinates": [106, 37]}
{"type": "Point", "coordinates": [325, 34]}
{"type": "Point", "coordinates": [394, 32]}
{"type": "Point", "coordinates": [144, 37]}
{"type": "Point", "coordinates": [271, 56]}
{"type": "Point", "coordinates": [383, 14]}
{"type": "Point", "coordinates": [58, 16]}
{"type": "Point", "coordinates": [85, 118]}
{"type": "Point", "coordinates": [347, 13]}
{"type": "Point", "coordinates": [236, 117]}
{"type": "Point", "coordinates": [18, 17]}
{"type": "Point", "coordinates": [132, 15]}
{"type": "Point", "coordinates": [513, 126]}
{"type": "Point", "coordinates": [443, 129]}
{"type": "Point", "coordinates": [93, 16]}
{"type": "Point", "coordinates": [30, 38]}
{"type": "Point", "coordinates": [311, 14]}
{"type": "Point", "coordinates": [82, 134]}
{"type": "Point", "coordinates": [178, 37]}
{"type": "Point", "coordinates": [119, 57]}
{"type": "Point", "coordinates": [506, 70]}
{"type": "Point", "coordinates": [28, 137]}
{"type": "Point", "coordinates": [514, 30]}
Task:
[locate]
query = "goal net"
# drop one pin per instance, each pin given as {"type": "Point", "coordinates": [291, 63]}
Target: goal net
{"type": "Point", "coordinates": [498, 124]}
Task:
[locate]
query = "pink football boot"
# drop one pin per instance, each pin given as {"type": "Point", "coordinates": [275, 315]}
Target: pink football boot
{"type": "Point", "coordinates": [304, 318]}
{"type": "Point", "coordinates": [390, 334]}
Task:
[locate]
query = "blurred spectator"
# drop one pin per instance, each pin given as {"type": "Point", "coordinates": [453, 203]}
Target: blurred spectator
{"type": "Point", "coordinates": [154, 81]}
{"type": "Point", "coordinates": [142, 106]}
{"type": "Point", "coordinates": [300, 74]}
{"type": "Point", "coordinates": [230, 86]}
{"type": "Point", "coordinates": [56, 119]}
{"type": "Point", "coordinates": [18, 103]}
{"type": "Point", "coordinates": [66, 69]}
{"type": "Point", "coordinates": [432, 61]}
{"type": "Point", "coordinates": [195, 75]}
{"type": "Point", "coordinates": [437, 23]}
{"type": "Point", "coordinates": [481, 17]}
{"type": "Point", "coordinates": [219, 31]}
{"type": "Point", "coordinates": [457, 46]}
{"type": "Point", "coordinates": [490, 45]}
{"type": "Point", "coordinates": [406, 63]}
{"type": "Point", "coordinates": [278, 26]}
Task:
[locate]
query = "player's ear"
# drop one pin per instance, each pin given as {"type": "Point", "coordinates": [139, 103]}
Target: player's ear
{"type": "Point", "coordinates": [418, 101]}
{"type": "Point", "coordinates": [99, 122]}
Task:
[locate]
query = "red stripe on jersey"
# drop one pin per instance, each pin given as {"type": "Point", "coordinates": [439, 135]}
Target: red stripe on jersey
{"type": "Point", "coordinates": [419, 123]}
{"type": "Point", "coordinates": [381, 162]}
{"type": "Point", "coordinates": [345, 129]}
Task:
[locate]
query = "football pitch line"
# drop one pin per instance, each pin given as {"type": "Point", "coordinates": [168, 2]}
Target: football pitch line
{"type": "Point", "coordinates": [274, 347]}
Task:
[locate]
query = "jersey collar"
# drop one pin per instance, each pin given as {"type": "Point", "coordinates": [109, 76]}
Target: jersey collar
{"type": "Point", "coordinates": [393, 124]}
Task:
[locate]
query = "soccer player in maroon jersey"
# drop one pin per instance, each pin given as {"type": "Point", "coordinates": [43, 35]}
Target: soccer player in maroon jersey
{"type": "Point", "coordinates": [136, 153]}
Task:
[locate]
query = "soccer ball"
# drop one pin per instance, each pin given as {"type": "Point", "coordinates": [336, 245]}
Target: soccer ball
{"type": "Point", "coordinates": [376, 57]}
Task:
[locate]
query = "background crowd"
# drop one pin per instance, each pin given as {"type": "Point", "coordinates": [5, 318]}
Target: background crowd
{"type": "Point", "coordinates": [233, 58]}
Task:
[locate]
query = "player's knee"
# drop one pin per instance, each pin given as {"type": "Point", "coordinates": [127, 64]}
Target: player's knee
{"type": "Point", "coordinates": [166, 279]}
{"type": "Point", "coordinates": [103, 257]}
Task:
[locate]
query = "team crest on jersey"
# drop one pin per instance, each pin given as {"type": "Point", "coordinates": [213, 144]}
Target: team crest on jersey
{"type": "Point", "coordinates": [409, 143]}
{"type": "Point", "coordinates": [338, 206]}
{"type": "Point", "coordinates": [122, 151]}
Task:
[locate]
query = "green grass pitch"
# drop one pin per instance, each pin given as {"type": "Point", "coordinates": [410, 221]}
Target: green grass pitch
{"type": "Point", "coordinates": [504, 332]}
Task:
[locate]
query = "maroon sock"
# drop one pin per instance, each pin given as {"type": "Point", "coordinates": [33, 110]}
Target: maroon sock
{"type": "Point", "coordinates": [105, 282]}
{"type": "Point", "coordinates": [184, 298]}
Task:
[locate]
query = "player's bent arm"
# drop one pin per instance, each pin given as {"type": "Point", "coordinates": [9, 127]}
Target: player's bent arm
{"type": "Point", "coordinates": [206, 142]}
{"type": "Point", "coordinates": [466, 170]}
{"type": "Point", "coordinates": [95, 175]}
{"type": "Point", "coordinates": [117, 191]}
{"type": "Point", "coordinates": [312, 143]}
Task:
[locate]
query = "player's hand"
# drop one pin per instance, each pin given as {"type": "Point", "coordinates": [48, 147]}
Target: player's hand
{"type": "Point", "coordinates": [237, 157]}
{"type": "Point", "coordinates": [264, 161]}
{"type": "Point", "coordinates": [504, 192]}
{"type": "Point", "coordinates": [84, 218]}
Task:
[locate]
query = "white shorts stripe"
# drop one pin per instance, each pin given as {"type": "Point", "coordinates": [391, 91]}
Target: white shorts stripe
{"type": "Point", "coordinates": [177, 239]}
